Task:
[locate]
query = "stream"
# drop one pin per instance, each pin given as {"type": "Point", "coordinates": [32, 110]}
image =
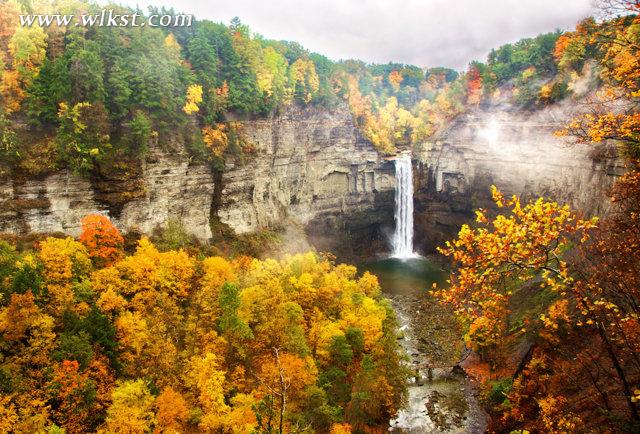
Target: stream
{"type": "Point", "coordinates": [441, 398]}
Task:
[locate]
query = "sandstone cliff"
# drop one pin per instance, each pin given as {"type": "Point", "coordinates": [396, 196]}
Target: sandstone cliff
{"type": "Point", "coordinates": [518, 152]}
{"type": "Point", "coordinates": [310, 168]}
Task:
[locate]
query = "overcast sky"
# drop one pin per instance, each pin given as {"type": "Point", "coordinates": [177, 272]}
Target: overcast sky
{"type": "Point", "coordinates": [422, 32]}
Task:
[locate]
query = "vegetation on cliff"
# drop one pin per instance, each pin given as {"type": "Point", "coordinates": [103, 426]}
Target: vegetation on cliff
{"type": "Point", "coordinates": [549, 301]}
{"type": "Point", "coordinates": [95, 339]}
{"type": "Point", "coordinates": [95, 98]}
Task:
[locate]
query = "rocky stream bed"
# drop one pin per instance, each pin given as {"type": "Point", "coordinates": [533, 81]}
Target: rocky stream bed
{"type": "Point", "coordinates": [442, 399]}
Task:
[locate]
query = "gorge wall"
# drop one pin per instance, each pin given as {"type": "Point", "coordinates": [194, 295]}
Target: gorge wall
{"type": "Point", "coordinates": [312, 169]}
{"type": "Point", "coordinates": [518, 152]}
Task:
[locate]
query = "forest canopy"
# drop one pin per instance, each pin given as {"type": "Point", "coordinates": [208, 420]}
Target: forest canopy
{"type": "Point", "coordinates": [96, 339]}
{"type": "Point", "coordinates": [94, 99]}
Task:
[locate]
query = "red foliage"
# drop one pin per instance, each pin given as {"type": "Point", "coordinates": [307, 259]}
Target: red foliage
{"type": "Point", "coordinates": [103, 241]}
{"type": "Point", "coordinates": [474, 86]}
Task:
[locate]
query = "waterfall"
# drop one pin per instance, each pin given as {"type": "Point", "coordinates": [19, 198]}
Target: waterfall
{"type": "Point", "coordinates": [403, 237]}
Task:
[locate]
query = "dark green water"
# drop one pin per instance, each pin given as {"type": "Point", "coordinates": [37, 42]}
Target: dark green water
{"type": "Point", "coordinates": [409, 277]}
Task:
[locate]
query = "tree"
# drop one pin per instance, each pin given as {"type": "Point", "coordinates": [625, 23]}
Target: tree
{"type": "Point", "coordinates": [131, 409]}
{"type": "Point", "coordinates": [83, 135]}
{"type": "Point", "coordinates": [102, 240]}
{"type": "Point", "coordinates": [523, 245]}
{"type": "Point", "coordinates": [86, 70]}
{"type": "Point", "coordinates": [194, 97]}
{"type": "Point", "coordinates": [474, 85]}
{"type": "Point", "coordinates": [304, 80]}
{"type": "Point", "coordinates": [72, 395]}
{"type": "Point", "coordinates": [172, 410]}
{"type": "Point", "coordinates": [206, 379]}
{"type": "Point", "coordinates": [27, 51]}
{"type": "Point", "coordinates": [65, 262]}
{"type": "Point", "coordinates": [285, 376]}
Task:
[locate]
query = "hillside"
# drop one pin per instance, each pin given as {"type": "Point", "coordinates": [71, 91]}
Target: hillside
{"type": "Point", "coordinates": [159, 188]}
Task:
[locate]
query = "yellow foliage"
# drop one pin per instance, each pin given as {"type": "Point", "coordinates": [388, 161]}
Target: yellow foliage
{"type": "Point", "coordinates": [172, 411]}
{"type": "Point", "coordinates": [305, 78]}
{"type": "Point", "coordinates": [217, 271]}
{"type": "Point", "coordinates": [133, 334]}
{"type": "Point", "coordinates": [173, 47]}
{"type": "Point", "coordinates": [241, 419]}
{"type": "Point", "coordinates": [216, 139]}
{"type": "Point", "coordinates": [545, 92]}
{"type": "Point", "coordinates": [65, 260]}
{"type": "Point", "coordinates": [523, 243]}
{"type": "Point", "coordinates": [131, 409]}
{"type": "Point", "coordinates": [27, 49]}
{"type": "Point", "coordinates": [207, 379]}
{"type": "Point", "coordinates": [341, 428]}
{"type": "Point", "coordinates": [555, 420]}
{"type": "Point", "coordinates": [8, 414]}
{"type": "Point", "coordinates": [194, 97]}
{"type": "Point", "coordinates": [364, 313]}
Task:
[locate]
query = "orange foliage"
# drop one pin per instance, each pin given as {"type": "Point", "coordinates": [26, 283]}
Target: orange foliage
{"type": "Point", "coordinates": [216, 139]}
{"type": "Point", "coordinates": [395, 78]}
{"type": "Point", "coordinates": [16, 318]}
{"type": "Point", "coordinates": [561, 45]}
{"type": "Point", "coordinates": [172, 411]}
{"type": "Point", "coordinates": [508, 248]}
{"type": "Point", "coordinates": [474, 86]}
{"type": "Point", "coordinates": [67, 387]}
{"type": "Point", "coordinates": [102, 240]}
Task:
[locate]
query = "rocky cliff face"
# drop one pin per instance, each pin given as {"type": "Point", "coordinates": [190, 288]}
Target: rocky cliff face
{"type": "Point", "coordinates": [174, 189]}
{"type": "Point", "coordinates": [313, 171]}
{"type": "Point", "coordinates": [311, 168]}
{"type": "Point", "coordinates": [514, 150]}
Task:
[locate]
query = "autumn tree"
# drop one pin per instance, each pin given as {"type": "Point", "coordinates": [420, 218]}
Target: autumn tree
{"type": "Point", "coordinates": [131, 409]}
{"type": "Point", "coordinates": [613, 115]}
{"type": "Point", "coordinates": [304, 80]}
{"type": "Point", "coordinates": [474, 85]}
{"type": "Point", "coordinates": [172, 410]}
{"type": "Point", "coordinates": [83, 135]}
{"type": "Point", "coordinates": [72, 393]}
{"type": "Point", "coordinates": [66, 263]}
{"type": "Point", "coordinates": [526, 244]}
{"type": "Point", "coordinates": [102, 240]}
{"type": "Point", "coordinates": [27, 52]}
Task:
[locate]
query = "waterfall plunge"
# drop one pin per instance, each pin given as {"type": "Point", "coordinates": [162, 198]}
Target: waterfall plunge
{"type": "Point", "coordinates": [403, 237]}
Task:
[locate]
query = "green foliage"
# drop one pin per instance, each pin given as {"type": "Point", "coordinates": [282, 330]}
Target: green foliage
{"type": "Point", "coordinates": [83, 135]}
{"type": "Point", "coordinates": [86, 70]}
{"type": "Point", "coordinates": [8, 140]}
{"type": "Point", "coordinates": [321, 415]}
{"type": "Point", "coordinates": [448, 74]}
{"type": "Point", "coordinates": [27, 277]}
{"type": "Point", "coordinates": [135, 79]}
{"type": "Point", "coordinates": [173, 236]}
{"type": "Point", "coordinates": [499, 391]}
{"type": "Point", "coordinates": [510, 60]}
{"type": "Point", "coordinates": [355, 338]}
{"type": "Point", "coordinates": [140, 133]}
{"type": "Point", "coordinates": [340, 351]}
{"type": "Point", "coordinates": [230, 324]}
{"type": "Point", "coordinates": [83, 332]}
{"type": "Point", "coordinates": [50, 88]}
{"type": "Point", "coordinates": [74, 346]}
{"type": "Point", "coordinates": [8, 259]}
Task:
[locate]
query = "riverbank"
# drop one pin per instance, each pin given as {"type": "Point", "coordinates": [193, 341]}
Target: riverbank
{"type": "Point", "coordinates": [442, 398]}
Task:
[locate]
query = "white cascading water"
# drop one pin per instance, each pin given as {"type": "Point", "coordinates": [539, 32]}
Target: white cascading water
{"type": "Point", "coordinates": [403, 237]}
